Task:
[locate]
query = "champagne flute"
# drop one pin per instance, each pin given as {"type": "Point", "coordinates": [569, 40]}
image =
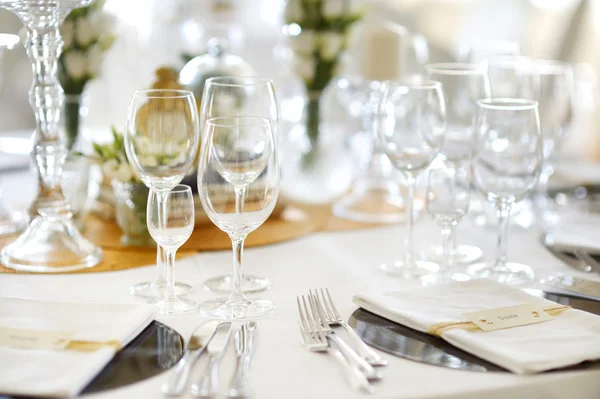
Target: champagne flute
{"type": "Point", "coordinates": [463, 86]}
{"type": "Point", "coordinates": [506, 167]}
{"type": "Point", "coordinates": [171, 223]}
{"type": "Point", "coordinates": [238, 184]}
{"type": "Point", "coordinates": [412, 128]}
{"type": "Point", "coordinates": [448, 197]}
{"type": "Point", "coordinates": [226, 96]}
{"type": "Point", "coordinates": [161, 141]}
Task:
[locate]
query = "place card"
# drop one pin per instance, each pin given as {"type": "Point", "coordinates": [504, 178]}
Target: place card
{"type": "Point", "coordinates": [507, 317]}
{"type": "Point", "coordinates": [34, 339]}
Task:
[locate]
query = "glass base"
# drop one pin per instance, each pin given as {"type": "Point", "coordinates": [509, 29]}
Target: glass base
{"type": "Point", "coordinates": [50, 246]}
{"type": "Point", "coordinates": [445, 278]}
{"type": "Point", "coordinates": [512, 273]}
{"type": "Point", "coordinates": [237, 309]}
{"type": "Point", "coordinates": [12, 224]}
{"type": "Point", "coordinates": [405, 270]}
{"type": "Point", "coordinates": [462, 255]}
{"type": "Point", "coordinates": [249, 284]}
{"type": "Point", "coordinates": [175, 305]}
{"type": "Point", "coordinates": [366, 203]}
{"type": "Point", "coordinates": [152, 290]}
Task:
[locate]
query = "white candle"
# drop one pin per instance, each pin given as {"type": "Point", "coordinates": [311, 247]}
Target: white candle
{"type": "Point", "coordinates": [381, 51]}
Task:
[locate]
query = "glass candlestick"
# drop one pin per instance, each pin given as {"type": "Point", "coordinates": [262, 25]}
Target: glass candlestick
{"type": "Point", "coordinates": [52, 242]}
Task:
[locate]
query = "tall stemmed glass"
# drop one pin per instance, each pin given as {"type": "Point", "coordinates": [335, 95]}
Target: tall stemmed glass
{"type": "Point", "coordinates": [506, 167]}
{"type": "Point", "coordinates": [239, 96]}
{"type": "Point", "coordinates": [412, 128]}
{"type": "Point", "coordinates": [171, 223]}
{"type": "Point", "coordinates": [52, 242]}
{"type": "Point", "coordinates": [463, 86]}
{"type": "Point", "coordinates": [238, 183]}
{"type": "Point", "coordinates": [161, 140]}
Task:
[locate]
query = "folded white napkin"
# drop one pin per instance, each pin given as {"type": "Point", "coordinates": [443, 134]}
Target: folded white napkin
{"type": "Point", "coordinates": [62, 373]}
{"type": "Point", "coordinates": [572, 337]}
{"type": "Point", "coordinates": [579, 233]}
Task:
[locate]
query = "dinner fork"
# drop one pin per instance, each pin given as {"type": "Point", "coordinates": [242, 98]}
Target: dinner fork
{"type": "Point", "coordinates": [314, 339]}
{"type": "Point", "coordinates": [332, 317]}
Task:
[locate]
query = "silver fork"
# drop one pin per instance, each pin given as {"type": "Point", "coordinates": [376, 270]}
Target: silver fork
{"type": "Point", "coordinates": [315, 340]}
{"type": "Point", "coordinates": [348, 352]}
{"type": "Point", "coordinates": [333, 318]}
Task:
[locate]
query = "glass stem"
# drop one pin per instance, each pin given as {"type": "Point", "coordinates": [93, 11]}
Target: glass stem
{"type": "Point", "coordinates": [170, 269]}
{"type": "Point", "coordinates": [446, 248]}
{"type": "Point", "coordinates": [161, 265]}
{"type": "Point", "coordinates": [410, 197]}
{"type": "Point", "coordinates": [240, 193]}
{"type": "Point", "coordinates": [503, 212]}
{"type": "Point", "coordinates": [238, 249]}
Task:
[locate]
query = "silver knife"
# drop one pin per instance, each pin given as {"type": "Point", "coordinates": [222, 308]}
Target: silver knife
{"type": "Point", "coordinates": [177, 380]}
{"type": "Point", "coordinates": [244, 345]}
{"type": "Point", "coordinates": [586, 288]}
{"type": "Point", "coordinates": [208, 385]}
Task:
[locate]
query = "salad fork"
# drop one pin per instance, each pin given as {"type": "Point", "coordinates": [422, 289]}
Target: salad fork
{"type": "Point", "coordinates": [315, 339]}
{"type": "Point", "coordinates": [332, 317]}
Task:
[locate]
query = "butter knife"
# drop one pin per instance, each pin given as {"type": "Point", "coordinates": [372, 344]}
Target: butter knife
{"type": "Point", "coordinates": [208, 384]}
{"type": "Point", "coordinates": [585, 288]}
{"type": "Point", "coordinates": [244, 345]}
{"type": "Point", "coordinates": [177, 380]}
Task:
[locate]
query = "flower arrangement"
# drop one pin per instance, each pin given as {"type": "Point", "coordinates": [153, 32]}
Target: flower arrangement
{"type": "Point", "coordinates": [318, 45]}
{"type": "Point", "coordinates": [113, 159]}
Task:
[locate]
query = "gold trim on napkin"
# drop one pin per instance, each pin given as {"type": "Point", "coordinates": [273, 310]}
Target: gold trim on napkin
{"type": "Point", "coordinates": [439, 328]}
{"type": "Point", "coordinates": [91, 346]}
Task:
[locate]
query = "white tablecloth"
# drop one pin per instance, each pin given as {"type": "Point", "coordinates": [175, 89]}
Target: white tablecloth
{"type": "Point", "coordinates": [345, 262]}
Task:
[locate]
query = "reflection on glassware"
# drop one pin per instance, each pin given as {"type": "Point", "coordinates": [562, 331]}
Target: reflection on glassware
{"type": "Point", "coordinates": [481, 50]}
{"type": "Point", "coordinates": [76, 184]}
{"type": "Point", "coordinates": [227, 96]}
{"type": "Point", "coordinates": [510, 76]}
{"type": "Point", "coordinates": [52, 242]}
{"type": "Point", "coordinates": [463, 85]}
{"type": "Point", "coordinates": [161, 140]}
{"type": "Point", "coordinates": [506, 168]}
{"type": "Point", "coordinates": [412, 128]}
{"type": "Point", "coordinates": [238, 183]}
{"type": "Point", "coordinates": [448, 197]}
{"type": "Point", "coordinates": [171, 223]}
{"type": "Point", "coordinates": [131, 203]}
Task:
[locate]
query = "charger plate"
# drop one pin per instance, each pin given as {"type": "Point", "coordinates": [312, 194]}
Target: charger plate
{"type": "Point", "coordinates": [410, 344]}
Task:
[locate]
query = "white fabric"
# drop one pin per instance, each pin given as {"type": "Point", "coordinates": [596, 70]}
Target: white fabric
{"type": "Point", "coordinates": [570, 338]}
{"type": "Point", "coordinates": [64, 373]}
{"type": "Point", "coordinates": [578, 231]}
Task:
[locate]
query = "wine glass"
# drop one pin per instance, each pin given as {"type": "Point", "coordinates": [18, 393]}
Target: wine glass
{"type": "Point", "coordinates": [411, 130]}
{"type": "Point", "coordinates": [226, 96]}
{"type": "Point", "coordinates": [161, 141]}
{"type": "Point", "coordinates": [171, 220]}
{"type": "Point", "coordinates": [238, 183]}
{"type": "Point", "coordinates": [448, 197]}
{"type": "Point", "coordinates": [510, 76]}
{"type": "Point", "coordinates": [481, 50]}
{"type": "Point", "coordinates": [463, 85]}
{"type": "Point", "coordinates": [506, 167]}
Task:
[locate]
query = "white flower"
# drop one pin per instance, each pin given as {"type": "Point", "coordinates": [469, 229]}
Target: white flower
{"type": "Point", "coordinates": [107, 40]}
{"type": "Point", "coordinates": [305, 42]}
{"type": "Point", "coordinates": [66, 31]}
{"type": "Point", "coordinates": [331, 44]}
{"type": "Point", "coordinates": [94, 60]}
{"type": "Point", "coordinates": [101, 22]}
{"type": "Point", "coordinates": [75, 64]}
{"type": "Point", "coordinates": [123, 173]}
{"type": "Point", "coordinates": [357, 7]}
{"type": "Point", "coordinates": [148, 161]}
{"type": "Point", "coordinates": [293, 11]}
{"type": "Point", "coordinates": [333, 8]}
{"type": "Point", "coordinates": [109, 167]}
{"type": "Point", "coordinates": [84, 34]}
{"type": "Point", "coordinates": [305, 68]}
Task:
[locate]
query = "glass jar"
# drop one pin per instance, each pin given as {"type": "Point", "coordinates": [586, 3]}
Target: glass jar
{"type": "Point", "coordinates": [131, 200]}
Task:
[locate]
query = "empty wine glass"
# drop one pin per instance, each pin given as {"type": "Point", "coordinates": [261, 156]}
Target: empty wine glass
{"type": "Point", "coordinates": [412, 128]}
{"type": "Point", "coordinates": [481, 50]}
{"type": "Point", "coordinates": [161, 140]}
{"type": "Point", "coordinates": [171, 223]}
{"type": "Point", "coordinates": [226, 96]}
{"type": "Point", "coordinates": [448, 197]}
{"type": "Point", "coordinates": [510, 76]}
{"type": "Point", "coordinates": [238, 183]}
{"type": "Point", "coordinates": [463, 85]}
{"type": "Point", "coordinates": [506, 167]}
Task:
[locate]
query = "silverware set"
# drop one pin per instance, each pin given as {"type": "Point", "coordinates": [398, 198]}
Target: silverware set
{"type": "Point", "coordinates": [580, 258]}
{"type": "Point", "coordinates": [212, 338]}
{"type": "Point", "coordinates": [319, 319]}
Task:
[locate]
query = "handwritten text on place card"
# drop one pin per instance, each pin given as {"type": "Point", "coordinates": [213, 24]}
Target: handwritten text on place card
{"type": "Point", "coordinates": [34, 339]}
{"type": "Point", "coordinates": [511, 316]}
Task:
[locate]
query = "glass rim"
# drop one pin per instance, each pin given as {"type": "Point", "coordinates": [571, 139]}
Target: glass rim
{"type": "Point", "coordinates": [153, 93]}
{"type": "Point", "coordinates": [220, 121]}
{"type": "Point", "coordinates": [257, 80]}
{"type": "Point", "coordinates": [551, 67]}
{"type": "Point", "coordinates": [504, 60]}
{"type": "Point", "coordinates": [457, 68]}
{"type": "Point", "coordinates": [507, 104]}
{"type": "Point", "coordinates": [180, 188]}
{"type": "Point", "coordinates": [416, 84]}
